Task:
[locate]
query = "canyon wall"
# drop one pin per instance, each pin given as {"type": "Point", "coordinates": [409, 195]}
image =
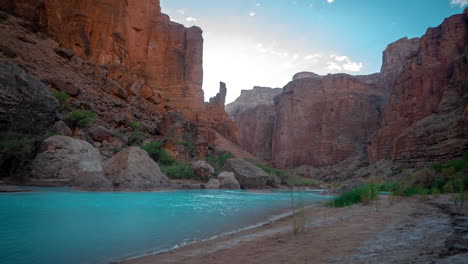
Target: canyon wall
{"type": "Point", "coordinates": [425, 119]}
{"type": "Point", "coordinates": [141, 48]}
{"type": "Point", "coordinates": [322, 121]}
{"type": "Point", "coordinates": [254, 115]}
{"type": "Point", "coordinates": [414, 111]}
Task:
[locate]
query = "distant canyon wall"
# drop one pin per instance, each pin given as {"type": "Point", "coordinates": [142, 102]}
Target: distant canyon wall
{"type": "Point", "coordinates": [145, 52]}
{"type": "Point", "coordinates": [414, 111]}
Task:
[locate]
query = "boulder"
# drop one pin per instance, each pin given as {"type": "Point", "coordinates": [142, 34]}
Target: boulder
{"type": "Point", "coordinates": [64, 53]}
{"type": "Point", "coordinates": [61, 129]}
{"type": "Point", "coordinates": [247, 174]}
{"type": "Point", "coordinates": [99, 133]}
{"type": "Point", "coordinates": [228, 181]}
{"type": "Point", "coordinates": [65, 86]}
{"type": "Point", "coordinates": [213, 184]}
{"type": "Point", "coordinates": [202, 169]}
{"type": "Point", "coordinates": [70, 162]}
{"type": "Point", "coordinates": [24, 99]}
{"type": "Point", "coordinates": [132, 168]}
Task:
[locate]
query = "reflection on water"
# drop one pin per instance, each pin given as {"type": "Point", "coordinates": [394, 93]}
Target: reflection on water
{"type": "Point", "coordinates": [56, 225]}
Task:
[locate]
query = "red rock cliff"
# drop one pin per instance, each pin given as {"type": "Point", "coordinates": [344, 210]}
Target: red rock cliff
{"type": "Point", "coordinates": [324, 120]}
{"type": "Point", "coordinates": [150, 56]}
{"type": "Point", "coordinates": [147, 53]}
{"type": "Point", "coordinates": [426, 116]}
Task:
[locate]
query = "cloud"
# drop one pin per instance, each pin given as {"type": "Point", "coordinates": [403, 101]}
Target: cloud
{"type": "Point", "coordinates": [334, 67]}
{"type": "Point", "coordinates": [191, 19]}
{"type": "Point", "coordinates": [257, 4]}
{"type": "Point", "coordinates": [251, 13]}
{"type": "Point", "coordinates": [313, 56]}
{"type": "Point", "coordinates": [330, 1]}
{"type": "Point", "coordinates": [339, 58]}
{"type": "Point", "coordinates": [461, 3]}
{"type": "Point", "coordinates": [352, 66]}
{"type": "Point", "coordinates": [180, 12]}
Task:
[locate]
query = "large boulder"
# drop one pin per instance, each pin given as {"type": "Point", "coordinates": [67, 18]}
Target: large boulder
{"type": "Point", "coordinates": [202, 169]}
{"type": "Point", "coordinates": [213, 184]}
{"type": "Point", "coordinates": [227, 180]}
{"type": "Point", "coordinates": [132, 168]}
{"type": "Point", "coordinates": [248, 175]}
{"type": "Point", "coordinates": [69, 162]}
{"type": "Point", "coordinates": [24, 99]}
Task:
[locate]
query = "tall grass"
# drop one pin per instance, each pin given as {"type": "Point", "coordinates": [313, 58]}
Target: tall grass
{"type": "Point", "coordinates": [298, 220]}
{"type": "Point", "coordinates": [363, 194]}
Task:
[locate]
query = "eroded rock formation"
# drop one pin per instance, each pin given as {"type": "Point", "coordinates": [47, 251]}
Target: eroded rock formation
{"type": "Point", "coordinates": [426, 116]}
{"type": "Point", "coordinates": [145, 54]}
{"type": "Point", "coordinates": [323, 121]}
{"type": "Point", "coordinates": [254, 115]}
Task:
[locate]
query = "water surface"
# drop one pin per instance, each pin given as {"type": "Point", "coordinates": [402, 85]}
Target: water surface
{"type": "Point", "coordinates": [55, 225]}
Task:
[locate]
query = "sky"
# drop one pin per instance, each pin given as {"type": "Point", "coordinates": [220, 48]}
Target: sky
{"type": "Point", "coordinates": [265, 42]}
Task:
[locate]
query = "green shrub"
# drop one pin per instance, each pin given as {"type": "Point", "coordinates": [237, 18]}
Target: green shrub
{"type": "Point", "coordinates": [157, 153]}
{"type": "Point", "coordinates": [81, 118]}
{"type": "Point", "coordinates": [363, 194]}
{"type": "Point", "coordinates": [15, 149]}
{"type": "Point", "coordinates": [179, 170]}
{"type": "Point", "coordinates": [188, 142]}
{"type": "Point", "coordinates": [299, 181]}
{"type": "Point", "coordinates": [217, 160]}
{"type": "Point", "coordinates": [61, 96]}
{"type": "Point", "coordinates": [137, 135]}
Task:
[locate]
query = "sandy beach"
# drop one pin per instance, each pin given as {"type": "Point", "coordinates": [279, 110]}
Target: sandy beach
{"type": "Point", "coordinates": [392, 230]}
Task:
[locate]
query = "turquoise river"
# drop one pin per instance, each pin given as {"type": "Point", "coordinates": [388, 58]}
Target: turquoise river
{"type": "Point", "coordinates": [57, 225]}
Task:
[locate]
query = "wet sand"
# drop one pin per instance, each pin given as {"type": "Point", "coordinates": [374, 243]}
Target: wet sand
{"type": "Point", "coordinates": [410, 230]}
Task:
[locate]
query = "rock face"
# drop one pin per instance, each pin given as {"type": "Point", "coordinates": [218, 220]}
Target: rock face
{"type": "Point", "coordinates": [70, 162]}
{"type": "Point", "coordinates": [323, 121]}
{"type": "Point", "coordinates": [256, 126]}
{"type": "Point", "coordinates": [216, 117]}
{"type": "Point", "coordinates": [248, 99]}
{"type": "Point", "coordinates": [228, 181]}
{"type": "Point", "coordinates": [213, 184]}
{"type": "Point", "coordinates": [146, 54]}
{"type": "Point", "coordinates": [202, 169]}
{"type": "Point", "coordinates": [425, 119]}
{"type": "Point", "coordinates": [132, 168]}
{"type": "Point", "coordinates": [23, 98]}
{"type": "Point", "coordinates": [247, 174]}
{"type": "Point", "coordinates": [254, 114]}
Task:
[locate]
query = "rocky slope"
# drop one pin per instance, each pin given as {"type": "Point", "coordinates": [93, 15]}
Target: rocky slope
{"type": "Point", "coordinates": [112, 79]}
{"type": "Point", "coordinates": [143, 53]}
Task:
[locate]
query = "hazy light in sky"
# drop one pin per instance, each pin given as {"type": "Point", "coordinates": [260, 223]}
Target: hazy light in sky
{"type": "Point", "coordinates": [264, 43]}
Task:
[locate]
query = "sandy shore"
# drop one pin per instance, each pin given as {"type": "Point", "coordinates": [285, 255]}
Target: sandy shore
{"type": "Point", "coordinates": [411, 230]}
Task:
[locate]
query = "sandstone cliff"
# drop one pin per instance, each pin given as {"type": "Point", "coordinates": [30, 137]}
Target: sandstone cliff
{"type": "Point", "coordinates": [323, 121]}
{"type": "Point", "coordinates": [254, 114]}
{"type": "Point", "coordinates": [426, 116]}
{"type": "Point", "coordinates": [145, 54]}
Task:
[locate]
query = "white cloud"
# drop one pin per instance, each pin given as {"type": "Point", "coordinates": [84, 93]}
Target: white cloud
{"type": "Point", "coordinates": [330, 1]}
{"type": "Point", "coordinates": [313, 56]}
{"type": "Point", "coordinates": [181, 12]}
{"type": "Point", "coordinates": [252, 13]}
{"type": "Point", "coordinates": [334, 67]}
{"type": "Point", "coordinates": [352, 66]}
{"type": "Point", "coordinates": [340, 58]}
{"type": "Point", "coordinates": [258, 4]}
{"type": "Point", "coordinates": [191, 19]}
{"type": "Point", "coordinates": [461, 3]}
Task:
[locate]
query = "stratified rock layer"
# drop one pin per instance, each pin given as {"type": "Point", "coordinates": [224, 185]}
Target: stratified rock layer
{"type": "Point", "coordinates": [323, 121]}
{"type": "Point", "coordinates": [426, 116]}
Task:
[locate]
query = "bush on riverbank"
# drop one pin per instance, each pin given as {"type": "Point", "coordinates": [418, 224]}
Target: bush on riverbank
{"type": "Point", "coordinates": [363, 194]}
{"type": "Point", "coordinates": [217, 160]}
